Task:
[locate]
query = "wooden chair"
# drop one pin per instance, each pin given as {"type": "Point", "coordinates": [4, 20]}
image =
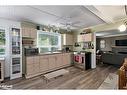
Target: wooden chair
{"type": "Point", "coordinates": [122, 78]}
{"type": "Point", "coordinates": [123, 75]}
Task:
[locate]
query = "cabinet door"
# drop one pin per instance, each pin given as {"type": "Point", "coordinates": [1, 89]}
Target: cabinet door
{"type": "Point", "coordinates": [52, 62]}
{"type": "Point", "coordinates": [80, 39]}
{"type": "Point", "coordinates": [29, 65]}
{"type": "Point", "coordinates": [33, 33]}
{"type": "Point", "coordinates": [29, 69]}
{"type": "Point", "coordinates": [88, 37]}
{"type": "Point", "coordinates": [25, 32]}
{"type": "Point", "coordinates": [59, 61]}
{"type": "Point", "coordinates": [67, 39]}
{"type": "Point", "coordinates": [36, 64]}
{"type": "Point", "coordinates": [66, 58]}
{"type": "Point", "coordinates": [43, 63]}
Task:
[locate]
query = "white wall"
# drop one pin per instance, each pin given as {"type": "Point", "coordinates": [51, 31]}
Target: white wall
{"type": "Point", "coordinates": [93, 65]}
{"type": "Point", "coordinates": [8, 24]}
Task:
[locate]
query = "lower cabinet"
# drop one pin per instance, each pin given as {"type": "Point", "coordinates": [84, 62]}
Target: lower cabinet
{"type": "Point", "coordinates": [59, 60]}
{"type": "Point", "coordinates": [29, 70]}
{"type": "Point", "coordinates": [29, 66]}
{"type": "Point", "coordinates": [36, 65]}
{"type": "Point", "coordinates": [43, 64]}
{"type": "Point", "coordinates": [66, 59]}
{"type": "Point", "coordinates": [52, 62]}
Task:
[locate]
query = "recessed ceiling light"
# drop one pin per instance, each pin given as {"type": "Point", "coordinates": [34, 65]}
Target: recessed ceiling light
{"type": "Point", "coordinates": [122, 28]}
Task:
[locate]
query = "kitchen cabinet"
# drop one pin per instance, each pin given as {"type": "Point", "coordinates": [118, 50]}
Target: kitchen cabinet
{"type": "Point", "coordinates": [40, 64]}
{"type": "Point", "coordinates": [32, 66]}
{"type": "Point", "coordinates": [67, 39]}
{"type": "Point", "coordinates": [33, 33]}
{"type": "Point", "coordinates": [85, 37]}
{"type": "Point", "coordinates": [29, 66]}
{"type": "Point", "coordinates": [66, 58]}
{"type": "Point", "coordinates": [43, 63]}
{"type": "Point", "coordinates": [52, 62]}
{"type": "Point", "coordinates": [59, 60]}
{"type": "Point", "coordinates": [29, 32]}
{"type": "Point", "coordinates": [36, 64]}
{"type": "Point", "coordinates": [25, 32]}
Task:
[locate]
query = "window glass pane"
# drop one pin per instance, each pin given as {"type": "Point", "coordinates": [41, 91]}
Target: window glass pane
{"type": "Point", "coordinates": [2, 51]}
{"type": "Point", "coordinates": [2, 37]}
{"type": "Point", "coordinates": [43, 40]}
{"type": "Point", "coordinates": [54, 48]}
{"type": "Point", "coordinates": [48, 41]}
{"type": "Point", "coordinates": [54, 40]}
{"type": "Point", "coordinates": [42, 50]}
{"type": "Point", "coordinates": [2, 42]}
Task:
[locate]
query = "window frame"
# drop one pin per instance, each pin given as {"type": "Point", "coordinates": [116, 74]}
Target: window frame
{"type": "Point", "coordinates": [59, 46]}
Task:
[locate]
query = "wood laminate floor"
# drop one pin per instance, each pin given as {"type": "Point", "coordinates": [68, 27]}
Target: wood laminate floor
{"type": "Point", "coordinates": [76, 79]}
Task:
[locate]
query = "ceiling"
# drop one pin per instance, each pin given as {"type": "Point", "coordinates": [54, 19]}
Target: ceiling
{"type": "Point", "coordinates": [110, 33]}
{"type": "Point", "coordinates": [78, 16]}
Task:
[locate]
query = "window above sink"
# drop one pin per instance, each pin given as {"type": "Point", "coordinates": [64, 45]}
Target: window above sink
{"type": "Point", "coordinates": [48, 41]}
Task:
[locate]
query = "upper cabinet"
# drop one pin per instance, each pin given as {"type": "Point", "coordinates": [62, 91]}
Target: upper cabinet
{"type": "Point", "coordinates": [67, 39]}
{"type": "Point", "coordinates": [85, 37]}
{"type": "Point", "coordinates": [29, 32]}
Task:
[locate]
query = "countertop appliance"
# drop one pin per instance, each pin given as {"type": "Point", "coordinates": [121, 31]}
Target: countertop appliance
{"type": "Point", "coordinates": [31, 51]}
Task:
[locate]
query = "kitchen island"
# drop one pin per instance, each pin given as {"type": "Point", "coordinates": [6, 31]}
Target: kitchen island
{"type": "Point", "coordinates": [46, 62]}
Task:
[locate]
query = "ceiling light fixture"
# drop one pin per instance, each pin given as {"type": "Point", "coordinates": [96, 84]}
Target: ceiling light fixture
{"type": "Point", "coordinates": [122, 28]}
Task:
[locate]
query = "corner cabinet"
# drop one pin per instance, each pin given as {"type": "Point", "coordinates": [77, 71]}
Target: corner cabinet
{"type": "Point", "coordinates": [16, 53]}
{"type": "Point", "coordinates": [40, 64]}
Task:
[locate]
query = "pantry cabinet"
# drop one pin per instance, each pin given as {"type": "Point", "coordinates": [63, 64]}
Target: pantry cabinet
{"type": "Point", "coordinates": [36, 65]}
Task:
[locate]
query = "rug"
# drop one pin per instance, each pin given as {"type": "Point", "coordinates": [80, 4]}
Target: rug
{"type": "Point", "coordinates": [111, 82]}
